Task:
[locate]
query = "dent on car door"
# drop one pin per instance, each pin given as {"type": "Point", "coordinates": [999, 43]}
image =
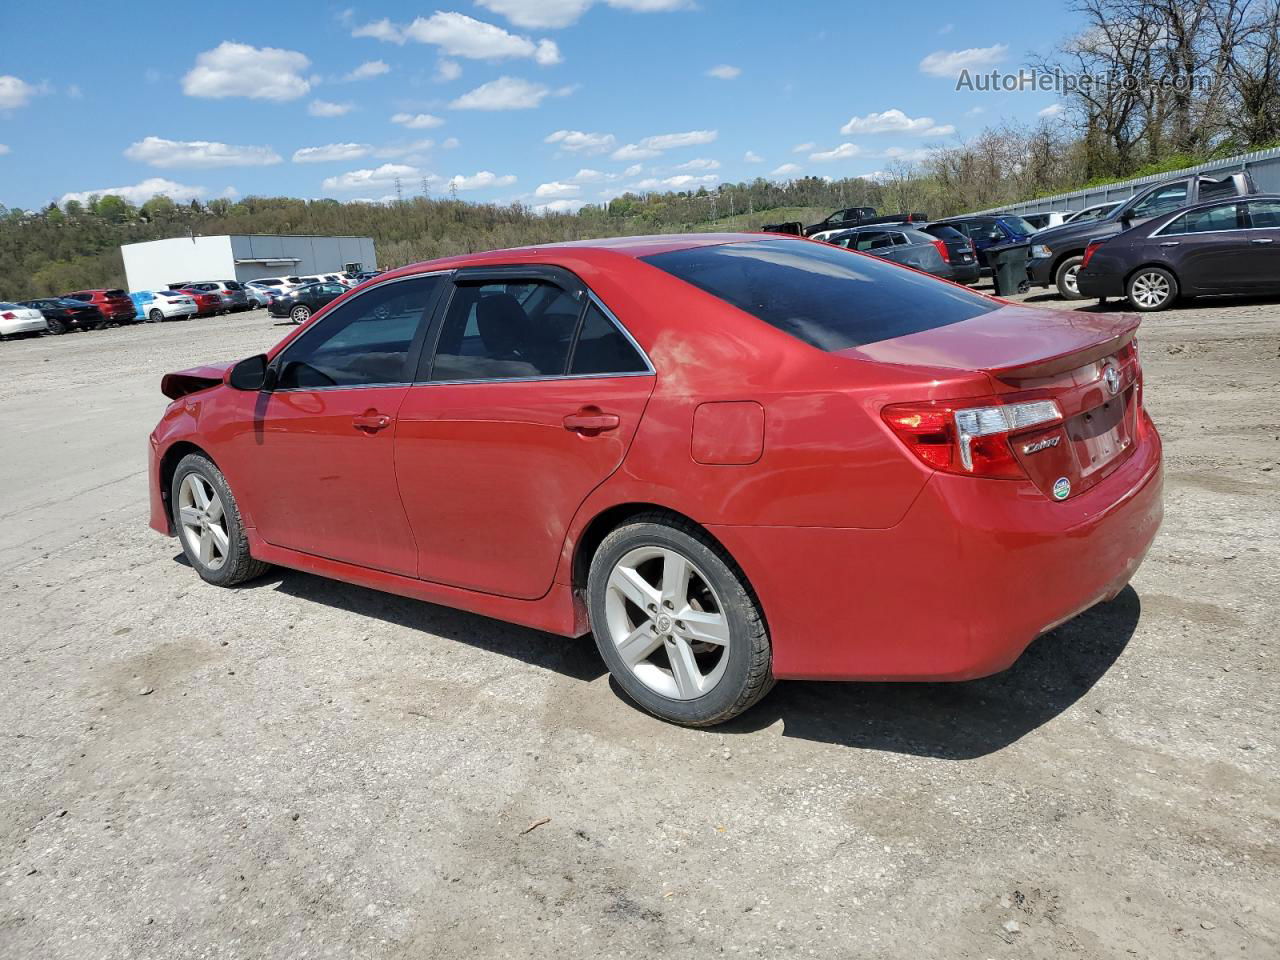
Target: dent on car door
{"type": "Point", "coordinates": [316, 453]}
{"type": "Point", "coordinates": [528, 403]}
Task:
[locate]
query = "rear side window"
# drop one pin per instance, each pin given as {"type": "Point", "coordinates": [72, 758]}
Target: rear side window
{"type": "Point", "coordinates": [116, 293]}
{"type": "Point", "coordinates": [602, 348]}
{"type": "Point", "coordinates": [1265, 214]}
{"type": "Point", "coordinates": [81, 296]}
{"type": "Point", "coordinates": [828, 297]}
{"type": "Point", "coordinates": [1213, 189]}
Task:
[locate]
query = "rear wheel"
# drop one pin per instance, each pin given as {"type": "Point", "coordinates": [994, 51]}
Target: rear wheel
{"type": "Point", "coordinates": [155, 316]}
{"type": "Point", "coordinates": [207, 519]}
{"type": "Point", "coordinates": [677, 623]}
{"type": "Point", "coordinates": [56, 326]}
{"type": "Point", "coordinates": [1152, 288]}
{"type": "Point", "coordinates": [300, 313]}
{"type": "Point", "coordinates": [1066, 278]}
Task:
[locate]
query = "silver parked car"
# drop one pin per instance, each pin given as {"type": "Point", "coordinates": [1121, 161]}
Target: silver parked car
{"type": "Point", "coordinates": [234, 297]}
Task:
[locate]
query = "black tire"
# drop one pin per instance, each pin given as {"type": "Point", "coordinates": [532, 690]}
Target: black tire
{"type": "Point", "coordinates": [748, 673]}
{"type": "Point", "coordinates": [56, 327]}
{"type": "Point", "coordinates": [155, 316]}
{"type": "Point", "coordinates": [1151, 289]}
{"type": "Point", "coordinates": [239, 565]}
{"type": "Point", "coordinates": [300, 313]}
{"type": "Point", "coordinates": [1064, 278]}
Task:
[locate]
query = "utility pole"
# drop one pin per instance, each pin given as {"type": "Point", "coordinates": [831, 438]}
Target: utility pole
{"type": "Point", "coordinates": [399, 193]}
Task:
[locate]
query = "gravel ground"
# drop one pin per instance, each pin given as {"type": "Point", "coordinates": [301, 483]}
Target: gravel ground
{"type": "Point", "coordinates": [301, 768]}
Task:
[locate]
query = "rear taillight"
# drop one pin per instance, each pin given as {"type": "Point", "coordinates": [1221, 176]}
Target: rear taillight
{"type": "Point", "coordinates": [1089, 251]}
{"type": "Point", "coordinates": [942, 249]}
{"type": "Point", "coordinates": [970, 439]}
{"type": "Point", "coordinates": [7, 315]}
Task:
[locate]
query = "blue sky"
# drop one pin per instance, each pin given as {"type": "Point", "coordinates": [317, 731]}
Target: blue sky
{"type": "Point", "coordinates": [550, 102]}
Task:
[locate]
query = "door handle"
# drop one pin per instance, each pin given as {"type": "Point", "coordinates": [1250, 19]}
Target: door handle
{"type": "Point", "coordinates": [590, 421]}
{"type": "Point", "coordinates": [1170, 243]}
{"type": "Point", "coordinates": [371, 421]}
{"type": "Point", "coordinates": [1263, 240]}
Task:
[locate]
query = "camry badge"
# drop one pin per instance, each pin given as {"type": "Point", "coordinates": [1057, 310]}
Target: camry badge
{"type": "Point", "coordinates": [1061, 488]}
{"type": "Point", "coordinates": [1111, 376]}
{"type": "Point", "coordinates": [1044, 444]}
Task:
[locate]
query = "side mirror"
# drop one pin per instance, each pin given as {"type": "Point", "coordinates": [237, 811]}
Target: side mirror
{"type": "Point", "coordinates": [252, 374]}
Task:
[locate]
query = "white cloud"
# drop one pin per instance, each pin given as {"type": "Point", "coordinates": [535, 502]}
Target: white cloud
{"type": "Point", "coordinates": [633, 171]}
{"type": "Point", "coordinates": [946, 28]}
{"type": "Point", "coordinates": [141, 192]}
{"type": "Point", "coordinates": [447, 71]}
{"type": "Point", "coordinates": [839, 153]}
{"type": "Point", "coordinates": [1053, 110]}
{"type": "Point", "coordinates": [4, 148]}
{"type": "Point", "coordinates": [552, 14]}
{"type": "Point", "coordinates": [895, 121]}
{"type": "Point", "coordinates": [752, 157]}
{"type": "Point", "coordinates": [417, 121]}
{"type": "Point", "coordinates": [908, 156]}
{"type": "Point", "coordinates": [478, 181]}
{"type": "Point", "coordinates": [505, 93]}
{"type": "Point", "coordinates": [395, 151]}
{"type": "Point", "coordinates": [74, 92]}
{"type": "Point", "coordinates": [587, 175]}
{"type": "Point", "coordinates": [974, 111]}
{"type": "Point", "coordinates": [378, 178]}
{"type": "Point", "coordinates": [159, 152]}
{"type": "Point", "coordinates": [332, 152]}
{"type": "Point", "coordinates": [577, 141]}
{"type": "Point", "coordinates": [804, 147]}
{"type": "Point", "coordinates": [461, 36]}
{"type": "Point", "coordinates": [557, 189]}
{"type": "Point", "coordinates": [725, 72]}
{"type": "Point", "coordinates": [701, 163]}
{"type": "Point", "coordinates": [670, 141]}
{"type": "Point", "coordinates": [239, 70]}
{"type": "Point", "coordinates": [15, 92]}
{"type": "Point", "coordinates": [633, 152]}
{"type": "Point", "coordinates": [560, 206]}
{"type": "Point", "coordinates": [948, 63]}
{"type": "Point", "coordinates": [327, 108]}
{"type": "Point", "coordinates": [370, 68]}
{"type": "Point", "coordinates": [383, 30]}
{"type": "Point", "coordinates": [786, 170]}
{"type": "Point", "coordinates": [675, 183]}
{"type": "Point", "coordinates": [451, 144]}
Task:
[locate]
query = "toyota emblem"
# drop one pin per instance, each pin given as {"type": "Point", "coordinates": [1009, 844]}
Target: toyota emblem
{"type": "Point", "coordinates": [1111, 376]}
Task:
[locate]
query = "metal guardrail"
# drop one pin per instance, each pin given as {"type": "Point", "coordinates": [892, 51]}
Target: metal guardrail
{"type": "Point", "coordinates": [1263, 164]}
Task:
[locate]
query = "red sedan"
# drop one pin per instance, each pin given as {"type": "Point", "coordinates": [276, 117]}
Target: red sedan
{"type": "Point", "coordinates": [207, 304]}
{"type": "Point", "coordinates": [732, 458]}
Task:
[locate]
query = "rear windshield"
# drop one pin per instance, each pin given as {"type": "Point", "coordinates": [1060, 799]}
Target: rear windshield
{"type": "Point", "coordinates": [1018, 226]}
{"type": "Point", "coordinates": [829, 297]}
{"type": "Point", "coordinates": [116, 293]}
{"type": "Point", "coordinates": [943, 232]}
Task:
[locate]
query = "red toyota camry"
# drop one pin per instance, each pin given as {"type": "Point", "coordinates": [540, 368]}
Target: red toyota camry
{"type": "Point", "coordinates": [732, 458]}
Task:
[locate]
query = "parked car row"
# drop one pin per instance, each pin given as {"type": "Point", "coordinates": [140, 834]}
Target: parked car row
{"type": "Point", "coordinates": [935, 248]}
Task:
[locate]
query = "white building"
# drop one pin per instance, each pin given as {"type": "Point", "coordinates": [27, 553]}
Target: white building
{"type": "Point", "coordinates": [157, 263]}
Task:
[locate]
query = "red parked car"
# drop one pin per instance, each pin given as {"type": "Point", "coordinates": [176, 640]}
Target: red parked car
{"type": "Point", "coordinates": [733, 458]}
{"type": "Point", "coordinates": [208, 302]}
{"type": "Point", "coordinates": [114, 305]}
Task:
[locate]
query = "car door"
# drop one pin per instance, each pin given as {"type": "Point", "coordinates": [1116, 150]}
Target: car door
{"type": "Point", "coordinates": [527, 403]}
{"type": "Point", "coordinates": [318, 449]}
{"type": "Point", "coordinates": [322, 294]}
{"type": "Point", "coordinates": [1264, 245]}
{"type": "Point", "coordinates": [1207, 249]}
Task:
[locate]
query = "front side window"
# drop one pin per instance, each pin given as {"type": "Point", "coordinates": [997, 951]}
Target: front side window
{"type": "Point", "coordinates": [1265, 214]}
{"type": "Point", "coordinates": [1163, 200]}
{"type": "Point", "coordinates": [363, 342]}
{"type": "Point", "coordinates": [828, 297]}
{"type": "Point", "coordinates": [504, 331]}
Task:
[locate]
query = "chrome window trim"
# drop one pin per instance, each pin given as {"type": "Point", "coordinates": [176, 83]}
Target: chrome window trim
{"type": "Point", "coordinates": [363, 386]}
{"type": "Point", "coordinates": [1199, 233]}
{"type": "Point", "coordinates": [649, 370]}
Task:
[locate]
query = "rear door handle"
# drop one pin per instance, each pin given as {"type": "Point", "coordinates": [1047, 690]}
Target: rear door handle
{"type": "Point", "coordinates": [1263, 240]}
{"type": "Point", "coordinates": [1170, 243]}
{"type": "Point", "coordinates": [371, 421]}
{"type": "Point", "coordinates": [590, 421]}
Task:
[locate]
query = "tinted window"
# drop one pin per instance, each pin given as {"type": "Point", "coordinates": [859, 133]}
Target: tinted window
{"type": "Point", "coordinates": [872, 240]}
{"type": "Point", "coordinates": [504, 331]}
{"type": "Point", "coordinates": [602, 348]}
{"type": "Point", "coordinates": [1265, 214]}
{"type": "Point", "coordinates": [829, 298]}
{"type": "Point", "coordinates": [1212, 189]}
{"type": "Point", "coordinates": [81, 296]}
{"type": "Point", "coordinates": [943, 232]}
{"type": "Point", "coordinates": [1163, 200]}
{"type": "Point", "coordinates": [232, 285]}
{"type": "Point", "coordinates": [1215, 218]}
{"type": "Point", "coordinates": [364, 341]}
{"type": "Point", "coordinates": [1019, 226]}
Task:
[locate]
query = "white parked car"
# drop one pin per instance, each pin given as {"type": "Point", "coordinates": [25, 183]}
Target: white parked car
{"type": "Point", "coordinates": [158, 305]}
{"type": "Point", "coordinates": [261, 293]}
{"type": "Point", "coordinates": [17, 321]}
{"type": "Point", "coordinates": [1047, 218]}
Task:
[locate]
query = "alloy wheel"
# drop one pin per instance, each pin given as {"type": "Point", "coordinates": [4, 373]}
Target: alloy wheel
{"type": "Point", "coordinates": [666, 622]}
{"type": "Point", "coordinates": [1150, 290]}
{"type": "Point", "coordinates": [299, 314]}
{"type": "Point", "coordinates": [203, 521]}
{"type": "Point", "coordinates": [1071, 279]}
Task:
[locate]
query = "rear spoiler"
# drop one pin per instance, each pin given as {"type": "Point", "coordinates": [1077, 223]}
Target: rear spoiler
{"type": "Point", "coordinates": [1072, 359]}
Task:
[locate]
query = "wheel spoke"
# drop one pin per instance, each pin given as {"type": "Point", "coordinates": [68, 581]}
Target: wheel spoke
{"type": "Point", "coordinates": [704, 627]}
{"type": "Point", "coordinates": [684, 668]}
{"type": "Point", "coordinates": [628, 582]}
{"type": "Point", "coordinates": [206, 547]}
{"type": "Point", "coordinates": [219, 539]}
{"type": "Point", "coordinates": [214, 510]}
{"type": "Point", "coordinates": [675, 580]}
{"type": "Point", "coordinates": [640, 643]}
{"type": "Point", "coordinates": [190, 516]}
{"type": "Point", "coordinates": [198, 493]}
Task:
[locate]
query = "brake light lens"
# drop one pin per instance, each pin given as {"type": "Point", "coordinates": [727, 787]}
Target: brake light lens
{"type": "Point", "coordinates": [942, 250]}
{"type": "Point", "coordinates": [1089, 251]}
{"type": "Point", "coordinates": [969, 440]}
{"type": "Point", "coordinates": [9, 315]}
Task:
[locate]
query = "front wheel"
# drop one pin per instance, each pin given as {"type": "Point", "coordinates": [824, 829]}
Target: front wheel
{"type": "Point", "coordinates": [207, 520]}
{"type": "Point", "coordinates": [677, 623]}
{"type": "Point", "coordinates": [1066, 278]}
{"type": "Point", "coordinates": [155, 316]}
{"type": "Point", "coordinates": [300, 314]}
{"type": "Point", "coordinates": [56, 326]}
{"type": "Point", "coordinates": [1152, 288]}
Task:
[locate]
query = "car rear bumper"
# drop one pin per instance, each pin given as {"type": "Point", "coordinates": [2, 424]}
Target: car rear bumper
{"type": "Point", "coordinates": [1097, 284]}
{"type": "Point", "coordinates": [965, 272]}
{"type": "Point", "coordinates": [961, 586]}
{"type": "Point", "coordinates": [13, 328]}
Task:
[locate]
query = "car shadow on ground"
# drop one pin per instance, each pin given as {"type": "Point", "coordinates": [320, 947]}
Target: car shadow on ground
{"type": "Point", "coordinates": [957, 721]}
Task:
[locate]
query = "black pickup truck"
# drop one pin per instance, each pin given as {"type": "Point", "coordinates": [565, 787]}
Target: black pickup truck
{"type": "Point", "coordinates": [852, 217]}
{"type": "Point", "coordinates": [1056, 253]}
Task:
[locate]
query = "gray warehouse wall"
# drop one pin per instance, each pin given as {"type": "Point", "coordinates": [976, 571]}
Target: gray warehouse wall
{"type": "Point", "coordinates": [1264, 165]}
{"type": "Point", "coordinates": [315, 254]}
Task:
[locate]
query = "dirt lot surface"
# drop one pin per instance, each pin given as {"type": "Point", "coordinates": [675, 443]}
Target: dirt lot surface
{"type": "Point", "coordinates": [301, 768]}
